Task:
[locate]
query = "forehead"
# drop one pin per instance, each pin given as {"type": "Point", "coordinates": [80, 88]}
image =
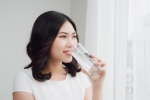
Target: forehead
{"type": "Point", "coordinates": [67, 27]}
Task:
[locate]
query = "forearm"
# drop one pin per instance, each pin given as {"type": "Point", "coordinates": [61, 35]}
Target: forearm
{"type": "Point", "coordinates": [97, 93]}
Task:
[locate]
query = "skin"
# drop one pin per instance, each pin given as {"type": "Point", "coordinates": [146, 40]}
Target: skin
{"type": "Point", "coordinates": [60, 52]}
{"type": "Point", "coordinates": [96, 91]}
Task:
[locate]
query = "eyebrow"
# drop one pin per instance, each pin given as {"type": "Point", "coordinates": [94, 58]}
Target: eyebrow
{"type": "Point", "coordinates": [67, 33]}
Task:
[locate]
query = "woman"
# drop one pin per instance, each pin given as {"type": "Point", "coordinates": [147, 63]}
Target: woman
{"type": "Point", "coordinates": [53, 73]}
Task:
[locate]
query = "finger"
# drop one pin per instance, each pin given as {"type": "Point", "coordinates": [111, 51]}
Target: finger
{"type": "Point", "coordinates": [103, 71]}
{"type": "Point", "coordinates": [99, 59]}
{"type": "Point", "coordinates": [83, 70]}
{"type": "Point", "coordinates": [93, 56]}
{"type": "Point", "coordinates": [102, 64]}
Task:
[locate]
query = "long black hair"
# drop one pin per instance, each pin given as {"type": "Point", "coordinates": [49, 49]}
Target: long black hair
{"type": "Point", "coordinates": [44, 32]}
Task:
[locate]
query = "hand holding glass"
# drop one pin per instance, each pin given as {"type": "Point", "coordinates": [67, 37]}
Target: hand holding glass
{"type": "Point", "coordinates": [85, 60]}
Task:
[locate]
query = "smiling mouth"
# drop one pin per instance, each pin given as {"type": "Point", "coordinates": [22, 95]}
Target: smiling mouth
{"type": "Point", "coordinates": [68, 53]}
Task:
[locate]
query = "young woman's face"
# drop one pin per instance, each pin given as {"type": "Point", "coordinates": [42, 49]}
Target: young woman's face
{"type": "Point", "coordinates": [63, 43]}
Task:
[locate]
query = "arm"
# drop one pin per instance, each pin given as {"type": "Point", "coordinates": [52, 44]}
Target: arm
{"type": "Point", "coordinates": [96, 93]}
{"type": "Point", "coordinates": [88, 94]}
{"type": "Point", "coordinates": [23, 96]}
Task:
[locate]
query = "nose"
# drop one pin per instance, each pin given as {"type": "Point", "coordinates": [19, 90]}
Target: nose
{"type": "Point", "coordinates": [70, 43]}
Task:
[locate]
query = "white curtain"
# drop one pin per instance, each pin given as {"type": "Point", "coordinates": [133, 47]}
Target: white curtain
{"type": "Point", "coordinates": [106, 36]}
{"type": "Point", "coordinates": [140, 36]}
{"type": "Point", "coordinates": [110, 25]}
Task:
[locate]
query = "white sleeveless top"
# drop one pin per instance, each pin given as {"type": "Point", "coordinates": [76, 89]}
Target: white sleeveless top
{"type": "Point", "coordinates": [72, 88]}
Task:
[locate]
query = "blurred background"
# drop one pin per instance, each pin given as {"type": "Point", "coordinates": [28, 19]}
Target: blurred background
{"type": "Point", "coordinates": [118, 31]}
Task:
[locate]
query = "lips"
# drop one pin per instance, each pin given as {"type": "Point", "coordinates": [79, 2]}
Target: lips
{"type": "Point", "coordinates": [68, 53]}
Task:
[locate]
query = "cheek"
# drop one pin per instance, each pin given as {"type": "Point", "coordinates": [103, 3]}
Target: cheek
{"type": "Point", "coordinates": [57, 48]}
{"type": "Point", "coordinates": [55, 53]}
{"type": "Point", "coordinates": [74, 44]}
{"type": "Point", "coordinates": [59, 43]}
{"type": "Point", "coordinates": [75, 41]}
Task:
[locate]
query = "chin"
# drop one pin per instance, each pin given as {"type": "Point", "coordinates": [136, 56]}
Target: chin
{"type": "Point", "coordinates": [67, 60]}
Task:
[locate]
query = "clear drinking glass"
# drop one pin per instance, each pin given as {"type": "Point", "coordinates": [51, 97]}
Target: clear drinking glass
{"type": "Point", "coordinates": [85, 60]}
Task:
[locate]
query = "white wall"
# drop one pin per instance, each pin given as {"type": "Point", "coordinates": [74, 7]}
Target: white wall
{"type": "Point", "coordinates": [16, 20]}
{"type": "Point", "coordinates": [78, 15]}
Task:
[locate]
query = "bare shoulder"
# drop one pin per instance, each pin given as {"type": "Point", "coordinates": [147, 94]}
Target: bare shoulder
{"type": "Point", "coordinates": [22, 96]}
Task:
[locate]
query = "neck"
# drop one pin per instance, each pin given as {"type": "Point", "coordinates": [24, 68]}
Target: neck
{"type": "Point", "coordinates": [54, 67]}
